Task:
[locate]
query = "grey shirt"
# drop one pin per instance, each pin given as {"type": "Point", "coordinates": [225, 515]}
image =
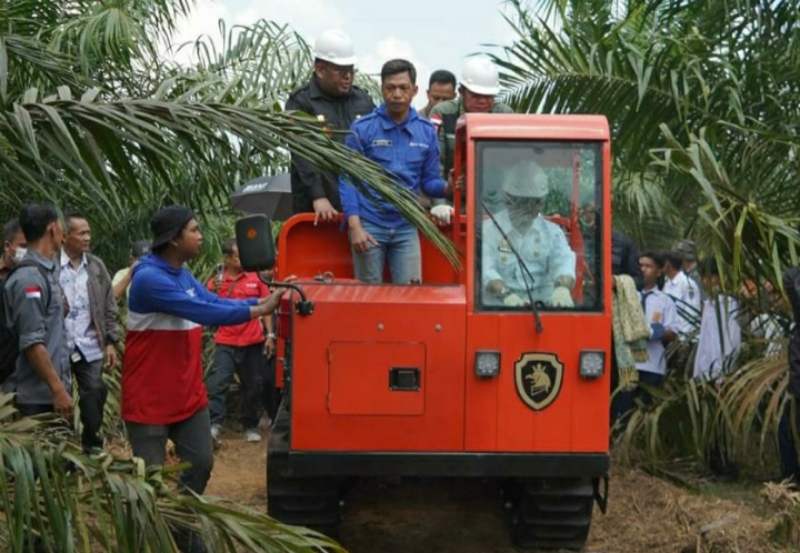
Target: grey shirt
{"type": "Point", "coordinates": [35, 310]}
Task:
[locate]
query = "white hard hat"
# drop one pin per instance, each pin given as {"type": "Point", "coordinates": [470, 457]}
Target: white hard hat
{"type": "Point", "coordinates": [335, 46]}
{"type": "Point", "coordinates": [480, 76]}
{"type": "Point", "coordinates": [526, 180]}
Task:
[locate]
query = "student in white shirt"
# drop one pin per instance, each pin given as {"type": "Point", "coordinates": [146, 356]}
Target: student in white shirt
{"type": "Point", "coordinates": [720, 333]}
{"type": "Point", "coordinates": [660, 313]}
{"type": "Point", "coordinates": [684, 292]}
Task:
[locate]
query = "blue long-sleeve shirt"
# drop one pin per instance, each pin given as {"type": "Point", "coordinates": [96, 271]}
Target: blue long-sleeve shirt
{"type": "Point", "coordinates": [157, 287]}
{"type": "Point", "coordinates": [409, 151]}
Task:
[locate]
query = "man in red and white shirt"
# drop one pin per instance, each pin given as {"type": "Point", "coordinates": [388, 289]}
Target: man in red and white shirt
{"type": "Point", "coordinates": [240, 348]}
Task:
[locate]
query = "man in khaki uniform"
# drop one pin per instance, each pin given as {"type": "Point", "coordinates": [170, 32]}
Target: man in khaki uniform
{"type": "Point", "coordinates": [480, 84]}
{"type": "Point", "coordinates": [441, 88]}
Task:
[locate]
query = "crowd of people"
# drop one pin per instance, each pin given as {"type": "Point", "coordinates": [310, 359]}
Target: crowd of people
{"type": "Point", "coordinates": [60, 305]}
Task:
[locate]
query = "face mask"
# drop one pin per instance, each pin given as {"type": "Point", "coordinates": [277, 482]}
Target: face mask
{"type": "Point", "coordinates": [19, 254]}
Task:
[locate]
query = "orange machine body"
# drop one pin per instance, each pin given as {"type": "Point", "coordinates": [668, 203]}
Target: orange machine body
{"type": "Point", "coordinates": [341, 357]}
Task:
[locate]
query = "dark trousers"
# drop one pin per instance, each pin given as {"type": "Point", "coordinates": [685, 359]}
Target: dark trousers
{"type": "Point", "coordinates": [192, 439]}
{"type": "Point", "coordinates": [249, 363]}
{"type": "Point", "coordinates": [31, 409]}
{"type": "Point", "coordinates": [790, 467]}
{"type": "Point", "coordinates": [626, 400]}
{"type": "Point", "coordinates": [92, 395]}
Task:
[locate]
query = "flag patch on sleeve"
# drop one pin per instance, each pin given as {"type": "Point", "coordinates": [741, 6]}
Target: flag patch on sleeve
{"type": "Point", "coordinates": [33, 292]}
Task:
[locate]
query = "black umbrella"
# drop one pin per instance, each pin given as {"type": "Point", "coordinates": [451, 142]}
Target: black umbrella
{"type": "Point", "coordinates": [271, 196]}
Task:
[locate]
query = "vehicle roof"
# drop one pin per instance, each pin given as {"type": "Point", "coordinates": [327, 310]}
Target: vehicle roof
{"type": "Point", "coordinates": [517, 126]}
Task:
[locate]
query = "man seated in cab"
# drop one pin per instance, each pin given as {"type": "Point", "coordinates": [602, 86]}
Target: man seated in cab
{"type": "Point", "coordinates": [406, 146]}
{"type": "Point", "coordinates": [541, 245]}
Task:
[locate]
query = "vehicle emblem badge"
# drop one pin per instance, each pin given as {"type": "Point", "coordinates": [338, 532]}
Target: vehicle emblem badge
{"type": "Point", "coordinates": [538, 378]}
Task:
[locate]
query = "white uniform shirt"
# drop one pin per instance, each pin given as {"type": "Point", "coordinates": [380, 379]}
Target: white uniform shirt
{"type": "Point", "coordinates": [543, 248]}
{"type": "Point", "coordinates": [81, 333]}
{"type": "Point", "coordinates": [658, 308]}
{"type": "Point", "coordinates": [686, 295]}
{"type": "Point", "coordinates": [720, 338]}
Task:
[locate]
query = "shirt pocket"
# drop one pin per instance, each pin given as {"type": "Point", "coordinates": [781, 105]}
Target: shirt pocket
{"type": "Point", "coordinates": [415, 157]}
{"type": "Point", "coordinates": [381, 154]}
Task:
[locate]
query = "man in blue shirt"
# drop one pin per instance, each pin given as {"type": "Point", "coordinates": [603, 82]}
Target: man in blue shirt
{"type": "Point", "coordinates": [406, 146]}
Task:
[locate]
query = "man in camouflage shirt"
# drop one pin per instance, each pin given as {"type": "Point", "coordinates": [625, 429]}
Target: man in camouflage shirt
{"type": "Point", "coordinates": [480, 84]}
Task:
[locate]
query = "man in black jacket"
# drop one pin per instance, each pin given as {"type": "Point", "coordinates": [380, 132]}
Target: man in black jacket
{"type": "Point", "coordinates": [332, 98]}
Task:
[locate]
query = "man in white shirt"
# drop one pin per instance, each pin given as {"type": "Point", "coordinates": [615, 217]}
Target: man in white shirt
{"type": "Point", "coordinates": [720, 332]}
{"type": "Point", "coordinates": [91, 323]}
{"type": "Point", "coordinates": [684, 292]}
{"type": "Point", "coordinates": [541, 244]}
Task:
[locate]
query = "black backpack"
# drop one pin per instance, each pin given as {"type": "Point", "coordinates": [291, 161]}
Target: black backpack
{"type": "Point", "coordinates": [9, 341]}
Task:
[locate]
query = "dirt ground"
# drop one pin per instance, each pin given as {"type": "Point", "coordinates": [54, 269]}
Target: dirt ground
{"type": "Point", "coordinates": [646, 514]}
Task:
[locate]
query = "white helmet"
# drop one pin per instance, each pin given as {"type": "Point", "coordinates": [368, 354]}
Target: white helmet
{"type": "Point", "coordinates": [480, 76]}
{"type": "Point", "coordinates": [526, 180]}
{"type": "Point", "coordinates": [335, 46]}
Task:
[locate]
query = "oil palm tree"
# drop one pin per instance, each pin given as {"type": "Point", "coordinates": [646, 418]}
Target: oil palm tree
{"type": "Point", "coordinates": [703, 99]}
{"type": "Point", "coordinates": [94, 117]}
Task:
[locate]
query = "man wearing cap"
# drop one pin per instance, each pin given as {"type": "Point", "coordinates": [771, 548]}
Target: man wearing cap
{"type": "Point", "coordinates": [330, 96]}
{"type": "Point", "coordinates": [163, 395]}
{"type": "Point", "coordinates": [683, 291]}
{"type": "Point", "coordinates": [688, 252]}
{"type": "Point", "coordinates": [541, 244]}
{"type": "Point", "coordinates": [480, 84]}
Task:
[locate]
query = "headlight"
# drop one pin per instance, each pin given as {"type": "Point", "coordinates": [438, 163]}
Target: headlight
{"type": "Point", "coordinates": [487, 364]}
{"type": "Point", "coordinates": [592, 364]}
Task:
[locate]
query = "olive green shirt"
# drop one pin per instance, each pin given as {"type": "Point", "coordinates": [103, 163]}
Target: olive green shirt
{"type": "Point", "coordinates": [447, 142]}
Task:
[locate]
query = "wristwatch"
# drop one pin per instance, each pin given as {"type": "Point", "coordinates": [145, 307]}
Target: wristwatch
{"type": "Point", "coordinates": [271, 336]}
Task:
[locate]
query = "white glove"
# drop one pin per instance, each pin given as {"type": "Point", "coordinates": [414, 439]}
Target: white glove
{"type": "Point", "coordinates": [561, 297]}
{"type": "Point", "coordinates": [513, 300]}
{"type": "Point", "coordinates": [442, 213]}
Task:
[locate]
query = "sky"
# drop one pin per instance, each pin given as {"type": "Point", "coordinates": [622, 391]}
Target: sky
{"type": "Point", "coordinates": [432, 34]}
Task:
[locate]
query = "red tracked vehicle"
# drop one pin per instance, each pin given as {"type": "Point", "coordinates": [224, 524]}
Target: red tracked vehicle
{"type": "Point", "coordinates": [441, 378]}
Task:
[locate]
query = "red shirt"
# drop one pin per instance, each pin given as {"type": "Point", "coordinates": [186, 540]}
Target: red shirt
{"type": "Point", "coordinates": [241, 286]}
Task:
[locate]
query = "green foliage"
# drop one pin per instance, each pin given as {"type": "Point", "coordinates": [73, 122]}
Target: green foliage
{"type": "Point", "coordinates": [703, 101]}
{"type": "Point", "coordinates": [92, 117]}
{"type": "Point", "coordinates": [53, 494]}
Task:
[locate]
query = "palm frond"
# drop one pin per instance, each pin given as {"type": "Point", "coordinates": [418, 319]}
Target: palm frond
{"type": "Point", "coordinates": [90, 145]}
{"type": "Point", "coordinates": [53, 495]}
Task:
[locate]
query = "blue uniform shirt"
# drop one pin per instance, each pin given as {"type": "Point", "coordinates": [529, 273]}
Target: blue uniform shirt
{"type": "Point", "coordinates": [409, 151]}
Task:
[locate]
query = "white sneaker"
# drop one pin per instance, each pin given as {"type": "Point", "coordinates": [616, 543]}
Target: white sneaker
{"type": "Point", "coordinates": [252, 435]}
{"type": "Point", "coordinates": [216, 430]}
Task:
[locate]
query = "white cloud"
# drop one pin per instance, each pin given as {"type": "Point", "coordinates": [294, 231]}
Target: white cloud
{"type": "Point", "coordinates": [308, 17]}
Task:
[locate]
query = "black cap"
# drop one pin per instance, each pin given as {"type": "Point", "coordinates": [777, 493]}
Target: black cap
{"type": "Point", "coordinates": [168, 222]}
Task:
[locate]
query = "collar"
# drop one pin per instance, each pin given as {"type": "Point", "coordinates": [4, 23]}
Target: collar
{"type": "Point", "coordinates": [388, 123]}
{"type": "Point", "coordinates": [161, 263]}
{"type": "Point", "coordinates": [48, 264]}
{"type": "Point", "coordinates": [677, 277]}
{"type": "Point", "coordinates": [65, 260]}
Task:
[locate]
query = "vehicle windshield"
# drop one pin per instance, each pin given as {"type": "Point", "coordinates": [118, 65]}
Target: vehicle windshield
{"type": "Point", "coordinates": [538, 225]}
